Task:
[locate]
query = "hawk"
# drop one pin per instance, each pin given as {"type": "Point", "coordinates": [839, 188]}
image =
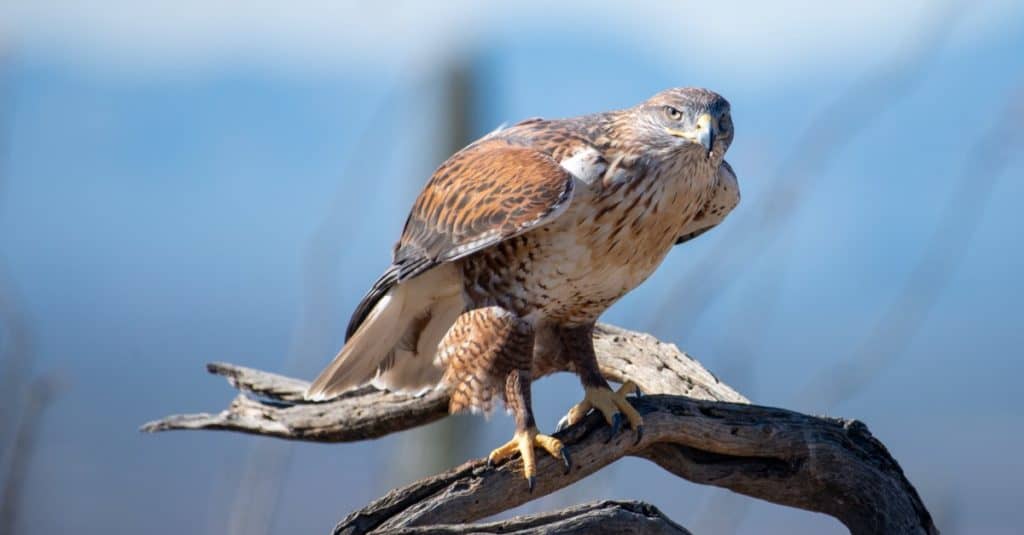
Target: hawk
{"type": "Point", "coordinates": [520, 241]}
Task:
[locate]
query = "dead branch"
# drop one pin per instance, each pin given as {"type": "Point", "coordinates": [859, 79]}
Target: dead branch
{"type": "Point", "coordinates": [708, 435]}
{"type": "Point", "coordinates": [825, 465]}
{"type": "Point", "coordinates": [612, 517]}
{"type": "Point", "coordinates": [367, 413]}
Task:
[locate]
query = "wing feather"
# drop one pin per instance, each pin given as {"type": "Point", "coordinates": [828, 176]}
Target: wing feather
{"type": "Point", "coordinates": [487, 193]}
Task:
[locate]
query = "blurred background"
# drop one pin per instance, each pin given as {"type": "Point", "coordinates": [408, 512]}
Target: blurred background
{"type": "Point", "coordinates": [183, 182]}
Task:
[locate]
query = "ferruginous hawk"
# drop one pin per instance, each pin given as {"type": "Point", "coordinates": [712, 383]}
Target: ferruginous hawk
{"type": "Point", "coordinates": [520, 241]}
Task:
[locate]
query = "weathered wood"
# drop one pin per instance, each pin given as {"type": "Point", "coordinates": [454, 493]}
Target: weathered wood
{"type": "Point", "coordinates": [275, 407]}
{"type": "Point", "coordinates": [712, 437]}
{"type": "Point", "coordinates": [826, 465]}
{"type": "Point", "coordinates": [656, 367]}
{"type": "Point", "coordinates": [612, 517]}
{"type": "Point", "coordinates": [269, 405]}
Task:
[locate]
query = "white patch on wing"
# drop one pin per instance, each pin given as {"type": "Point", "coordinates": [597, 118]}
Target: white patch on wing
{"type": "Point", "coordinates": [472, 245]}
{"type": "Point", "coordinates": [494, 132]}
{"type": "Point", "coordinates": [586, 165]}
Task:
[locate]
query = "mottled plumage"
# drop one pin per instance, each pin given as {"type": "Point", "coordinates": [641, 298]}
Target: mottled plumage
{"type": "Point", "coordinates": [519, 242]}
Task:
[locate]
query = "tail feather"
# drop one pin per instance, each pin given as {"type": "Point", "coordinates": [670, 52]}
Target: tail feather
{"type": "Point", "coordinates": [414, 367]}
{"type": "Point", "coordinates": [394, 347]}
{"type": "Point", "coordinates": [358, 361]}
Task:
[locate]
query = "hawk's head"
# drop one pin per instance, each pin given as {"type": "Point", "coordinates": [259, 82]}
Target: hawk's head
{"type": "Point", "coordinates": [688, 120]}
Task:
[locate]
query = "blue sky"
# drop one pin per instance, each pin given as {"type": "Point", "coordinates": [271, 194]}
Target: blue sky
{"type": "Point", "coordinates": [169, 171]}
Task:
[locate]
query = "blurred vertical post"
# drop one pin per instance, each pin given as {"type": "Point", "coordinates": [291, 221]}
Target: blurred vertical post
{"type": "Point", "coordinates": [453, 437]}
{"type": "Point", "coordinates": [14, 360]}
{"type": "Point", "coordinates": [449, 442]}
{"type": "Point", "coordinates": [39, 395]}
{"type": "Point", "coordinates": [21, 405]}
{"type": "Point", "coordinates": [427, 450]}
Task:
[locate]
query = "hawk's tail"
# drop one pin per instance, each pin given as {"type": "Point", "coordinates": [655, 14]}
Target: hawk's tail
{"type": "Point", "coordinates": [395, 346]}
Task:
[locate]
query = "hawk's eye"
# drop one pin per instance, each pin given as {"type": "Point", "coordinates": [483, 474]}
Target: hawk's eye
{"type": "Point", "coordinates": [673, 113]}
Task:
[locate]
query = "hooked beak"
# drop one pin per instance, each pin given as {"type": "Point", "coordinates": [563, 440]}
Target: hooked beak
{"type": "Point", "coordinates": [703, 132]}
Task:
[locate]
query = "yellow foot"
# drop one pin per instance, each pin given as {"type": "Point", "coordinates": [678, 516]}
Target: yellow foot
{"type": "Point", "coordinates": [523, 442]}
{"type": "Point", "coordinates": [613, 405]}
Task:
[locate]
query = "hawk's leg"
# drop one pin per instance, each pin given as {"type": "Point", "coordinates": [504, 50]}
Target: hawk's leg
{"type": "Point", "coordinates": [578, 347]}
{"type": "Point", "coordinates": [526, 438]}
{"type": "Point", "coordinates": [487, 352]}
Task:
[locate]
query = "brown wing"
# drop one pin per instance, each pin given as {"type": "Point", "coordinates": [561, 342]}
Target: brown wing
{"type": "Point", "coordinates": [485, 194]}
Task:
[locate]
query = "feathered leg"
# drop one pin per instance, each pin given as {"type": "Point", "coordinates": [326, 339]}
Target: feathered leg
{"type": "Point", "coordinates": [489, 351]}
{"type": "Point", "coordinates": [578, 342]}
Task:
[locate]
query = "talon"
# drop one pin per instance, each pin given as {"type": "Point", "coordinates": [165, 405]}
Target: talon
{"type": "Point", "coordinates": [531, 482]}
{"type": "Point", "coordinates": [639, 434]}
{"type": "Point", "coordinates": [523, 443]}
{"type": "Point", "coordinates": [565, 460]}
{"type": "Point", "coordinates": [616, 426]}
{"type": "Point", "coordinates": [613, 405]}
{"type": "Point", "coordinates": [575, 414]}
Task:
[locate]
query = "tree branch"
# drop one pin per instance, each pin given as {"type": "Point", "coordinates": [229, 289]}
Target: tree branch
{"type": "Point", "coordinates": [611, 517]}
{"type": "Point", "coordinates": [825, 465]}
{"type": "Point", "coordinates": [712, 436]}
{"type": "Point", "coordinates": [367, 413]}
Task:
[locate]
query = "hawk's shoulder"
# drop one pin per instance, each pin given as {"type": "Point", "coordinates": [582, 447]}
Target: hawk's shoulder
{"type": "Point", "coordinates": [491, 191]}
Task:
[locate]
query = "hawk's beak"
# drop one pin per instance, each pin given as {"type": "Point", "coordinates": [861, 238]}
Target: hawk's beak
{"type": "Point", "coordinates": [703, 132]}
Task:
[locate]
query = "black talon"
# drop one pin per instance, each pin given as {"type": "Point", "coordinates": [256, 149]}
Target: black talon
{"type": "Point", "coordinates": [490, 463]}
{"type": "Point", "coordinates": [639, 434]}
{"type": "Point", "coordinates": [565, 459]}
{"type": "Point", "coordinates": [562, 424]}
{"type": "Point", "coordinates": [616, 426]}
{"type": "Point", "coordinates": [530, 482]}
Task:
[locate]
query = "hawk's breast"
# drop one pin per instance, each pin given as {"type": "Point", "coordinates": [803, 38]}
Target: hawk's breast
{"type": "Point", "coordinates": [614, 234]}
